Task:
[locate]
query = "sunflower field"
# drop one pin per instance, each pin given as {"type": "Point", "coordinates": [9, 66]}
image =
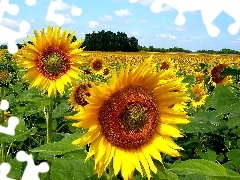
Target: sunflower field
{"type": "Point", "coordinates": [120, 116]}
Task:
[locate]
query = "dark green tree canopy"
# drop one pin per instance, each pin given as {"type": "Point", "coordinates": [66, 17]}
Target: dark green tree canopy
{"type": "Point", "coordinates": [109, 41]}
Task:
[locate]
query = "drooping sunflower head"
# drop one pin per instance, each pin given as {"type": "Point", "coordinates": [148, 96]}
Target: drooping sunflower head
{"type": "Point", "coordinates": [51, 59]}
{"type": "Point", "coordinates": [130, 120]}
{"type": "Point", "coordinates": [216, 79]}
{"type": "Point", "coordinates": [77, 96]}
{"type": "Point", "coordinates": [97, 65]}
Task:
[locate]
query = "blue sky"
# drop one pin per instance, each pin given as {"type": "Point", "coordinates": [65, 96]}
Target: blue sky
{"type": "Point", "coordinates": [135, 19]}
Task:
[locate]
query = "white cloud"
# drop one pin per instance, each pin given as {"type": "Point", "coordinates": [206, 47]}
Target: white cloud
{"type": "Point", "coordinates": [32, 20]}
{"type": "Point", "coordinates": [166, 8]}
{"type": "Point", "coordinates": [93, 24]}
{"type": "Point", "coordinates": [81, 35]}
{"type": "Point", "coordinates": [197, 37]}
{"type": "Point", "coordinates": [127, 22]}
{"type": "Point", "coordinates": [68, 20]}
{"type": "Point", "coordinates": [165, 36]}
{"type": "Point", "coordinates": [135, 33]}
{"type": "Point", "coordinates": [10, 23]}
{"type": "Point", "coordinates": [106, 18]}
{"type": "Point", "coordinates": [185, 40]}
{"type": "Point", "coordinates": [236, 41]}
{"type": "Point", "coordinates": [143, 21]}
{"type": "Point", "coordinates": [122, 12]}
{"type": "Point", "coordinates": [61, 5]}
{"type": "Point", "coordinates": [179, 28]}
{"type": "Point", "coordinates": [133, 1]}
{"type": "Point", "coordinates": [143, 2]}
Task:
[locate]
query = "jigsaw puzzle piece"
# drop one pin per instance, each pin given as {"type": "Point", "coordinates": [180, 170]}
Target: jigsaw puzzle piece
{"type": "Point", "coordinates": [4, 105]}
{"type": "Point", "coordinates": [59, 18]}
{"type": "Point", "coordinates": [12, 9]}
{"type": "Point", "coordinates": [12, 36]}
{"type": "Point", "coordinates": [31, 171]}
{"type": "Point", "coordinates": [4, 170]}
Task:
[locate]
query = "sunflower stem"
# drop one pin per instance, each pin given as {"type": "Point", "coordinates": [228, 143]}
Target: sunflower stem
{"type": "Point", "coordinates": [110, 174]}
{"type": "Point", "coordinates": [49, 135]}
{"type": "Point", "coordinates": [3, 148]}
{"type": "Point", "coordinates": [49, 123]}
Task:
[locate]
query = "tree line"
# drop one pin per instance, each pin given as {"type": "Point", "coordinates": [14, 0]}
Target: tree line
{"type": "Point", "coordinates": [110, 41]}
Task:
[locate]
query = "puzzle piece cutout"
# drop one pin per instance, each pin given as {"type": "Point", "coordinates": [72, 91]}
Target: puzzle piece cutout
{"type": "Point", "coordinates": [210, 10]}
{"type": "Point", "coordinates": [59, 19]}
{"type": "Point", "coordinates": [12, 36]}
{"type": "Point", "coordinates": [30, 172]}
{"type": "Point", "coordinates": [12, 121]}
{"type": "Point", "coordinates": [4, 170]}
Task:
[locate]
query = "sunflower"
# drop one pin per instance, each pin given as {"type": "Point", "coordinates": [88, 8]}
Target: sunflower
{"type": "Point", "coordinates": [166, 64]}
{"type": "Point", "coordinates": [77, 96]}
{"type": "Point", "coordinates": [130, 120]}
{"type": "Point", "coordinates": [200, 95]}
{"type": "Point", "coordinates": [4, 74]}
{"type": "Point", "coordinates": [216, 79]}
{"type": "Point", "coordinates": [199, 76]}
{"type": "Point", "coordinates": [52, 60]}
{"type": "Point", "coordinates": [97, 65]}
{"type": "Point", "coordinates": [2, 51]}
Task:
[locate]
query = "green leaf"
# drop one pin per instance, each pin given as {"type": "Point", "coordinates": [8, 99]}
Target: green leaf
{"type": "Point", "coordinates": [199, 166]}
{"type": "Point", "coordinates": [72, 169]}
{"type": "Point", "coordinates": [193, 177]}
{"type": "Point", "coordinates": [61, 110]}
{"type": "Point", "coordinates": [17, 169]}
{"type": "Point", "coordinates": [228, 71]}
{"type": "Point", "coordinates": [208, 155]}
{"type": "Point", "coordinates": [21, 133]}
{"type": "Point", "coordinates": [163, 172]}
{"type": "Point", "coordinates": [59, 147]}
{"type": "Point", "coordinates": [234, 156]}
{"type": "Point", "coordinates": [231, 175]}
{"type": "Point", "coordinates": [225, 99]}
{"type": "Point", "coordinates": [203, 122]}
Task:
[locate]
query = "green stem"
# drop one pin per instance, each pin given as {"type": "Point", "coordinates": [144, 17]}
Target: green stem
{"type": "Point", "coordinates": [49, 131]}
{"type": "Point", "coordinates": [49, 123]}
{"type": "Point", "coordinates": [3, 148]}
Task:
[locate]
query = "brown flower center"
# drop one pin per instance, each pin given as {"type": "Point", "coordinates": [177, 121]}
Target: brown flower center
{"type": "Point", "coordinates": [81, 91]}
{"type": "Point", "coordinates": [97, 65]}
{"type": "Point", "coordinates": [53, 62]}
{"type": "Point", "coordinates": [165, 65]}
{"type": "Point", "coordinates": [129, 117]}
{"type": "Point", "coordinates": [105, 71]}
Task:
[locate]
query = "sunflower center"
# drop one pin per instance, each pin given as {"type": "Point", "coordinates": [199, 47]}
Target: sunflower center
{"type": "Point", "coordinates": [134, 116]}
{"type": "Point", "coordinates": [165, 65]}
{"type": "Point", "coordinates": [129, 117]}
{"type": "Point", "coordinates": [53, 63]}
{"type": "Point", "coordinates": [97, 65]}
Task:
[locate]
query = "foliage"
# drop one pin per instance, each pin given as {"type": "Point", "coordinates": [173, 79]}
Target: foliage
{"type": "Point", "coordinates": [211, 141]}
{"type": "Point", "coordinates": [109, 41]}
